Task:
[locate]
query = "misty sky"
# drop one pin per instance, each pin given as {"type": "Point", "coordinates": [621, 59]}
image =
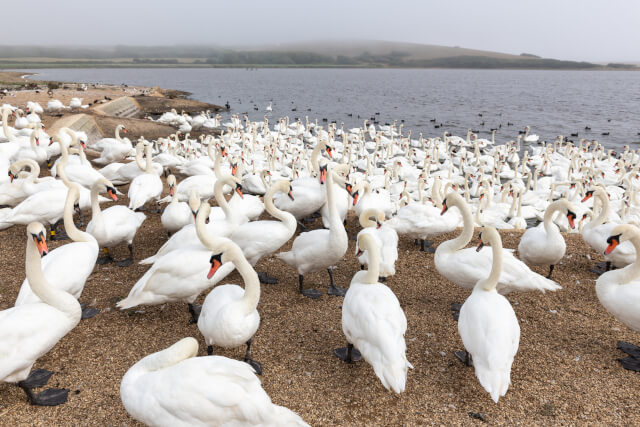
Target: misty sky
{"type": "Point", "coordinates": [592, 30]}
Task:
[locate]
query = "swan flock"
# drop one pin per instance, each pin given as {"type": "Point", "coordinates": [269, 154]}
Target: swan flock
{"type": "Point", "coordinates": [250, 191]}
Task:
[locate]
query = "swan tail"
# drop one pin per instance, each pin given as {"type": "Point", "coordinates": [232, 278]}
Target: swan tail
{"type": "Point", "coordinates": [495, 382]}
{"type": "Point", "coordinates": [543, 284]}
{"type": "Point", "coordinates": [288, 257]}
{"type": "Point", "coordinates": [137, 291]}
{"type": "Point", "coordinates": [287, 417]}
{"type": "Point", "coordinates": [393, 375]}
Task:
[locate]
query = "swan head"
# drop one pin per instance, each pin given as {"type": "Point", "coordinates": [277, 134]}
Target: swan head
{"type": "Point", "coordinates": [323, 174]}
{"type": "Point", "coordinates": [620, 234]}
{"type": "Point", "coordinates": [103, 185]}
{"type": "Point", "coordinates": [229, 253]}
{"type": "Point", "coordinates": [194, 202]}
{"type": "Point", "coordinates": [171, 182]}
{"type": "Point", "coordinates": [36, 232]}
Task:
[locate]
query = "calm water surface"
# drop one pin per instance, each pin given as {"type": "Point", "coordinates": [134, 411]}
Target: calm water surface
{"type": "Point", "coordinates": [551, 102]}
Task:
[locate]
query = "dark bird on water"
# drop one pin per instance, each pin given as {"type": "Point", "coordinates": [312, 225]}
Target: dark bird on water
{"type": "Point", "coordinates": [607, 133]}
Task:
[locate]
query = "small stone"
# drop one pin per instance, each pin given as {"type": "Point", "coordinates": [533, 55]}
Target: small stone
{"type": "Point", "coordinates": [576, 359]}
{"type": "Point", "coordinates": [307, 373]}
{"type": "Point", "coordinates": [577, 282]}
{"type": "Point", "coordinates": [553, 311]}
{"type": "Point", "coordinates": [442, 353]}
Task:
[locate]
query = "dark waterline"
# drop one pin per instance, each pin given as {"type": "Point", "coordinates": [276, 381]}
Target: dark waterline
{"type": "Point", "coordinates": [551, 102]}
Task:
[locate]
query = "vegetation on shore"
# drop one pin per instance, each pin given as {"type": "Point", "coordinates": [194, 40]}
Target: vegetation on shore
{"type": "Point", "coordinates": [392, 56]}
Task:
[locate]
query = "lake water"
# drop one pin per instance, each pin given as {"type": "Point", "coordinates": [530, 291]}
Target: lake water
{"type": "Point", "coordinates": [551, 102]}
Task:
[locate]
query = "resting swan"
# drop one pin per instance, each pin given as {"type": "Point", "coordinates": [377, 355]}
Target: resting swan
{"type": "Point", "coordinates": [29, 331]}
{"type": "Point", "coordinates": [68, 267]}
{"type": "Point", "coordinates": [319, 249]}
{"type": "Point", "coordinates": [488, 325]}
{"type": "Point", "coordinates": [161, 390]}
{"type": "Point", "coordinates": [229, 317]}
{"type": "Point", "coordinates": [544, 245]}
{"type": "Point", "coordinates": [373, 322]}
{"type": "Point", "coordinates": [619, 291]}
{"type": "Point", "coordinates": [465, 267]}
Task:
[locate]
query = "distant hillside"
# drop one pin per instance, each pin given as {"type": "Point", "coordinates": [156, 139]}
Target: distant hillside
{"type": "Point", "coordinates": [363, 54]}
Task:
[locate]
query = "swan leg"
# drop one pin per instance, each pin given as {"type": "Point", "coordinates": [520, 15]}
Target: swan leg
{"type": "Point", "coordinates": [209, 350]}
{"type": "Point", "coordinates": [57, 235]}
{"type": "Point", "coordinates": [455, 309]}
{"type": "Point", "coordinates": [302, 227]}
{"type": "Point", "coordinates": [428, 248]}
{"type": "Point", "coordinates": [106, 259]}
{"type": "Point", "coordinates": [37, 378]}
{"type": "Point", "coordinates": [348, 354]}
{"type": "Point", "coordinates": [247, 358]}
{"type": "Point", "coordinates": [266, 279]}
{"type": "Point", "coordinates": [464, 357]}
{"type": "Point", "coordinates": [309, 293]}
{"type": "Point", "coordinates": [333, 289]}
{"type": "Point", "coordinates": [195, 312]}
{"type": "Point", "coordinates": [344, 222]}
{"type": "Point", "coordinates": [550, 271]}
{"type": "Point", "coordinates": [382, 279]}
{"type": "Point", "coordinates": [632, 361]}
{"type": "Point", "coordinates": [48, 397]}
{"type": "Point", "coordinates": [88, 312]}
{"type": "Point", "coordinates": [128, 261]}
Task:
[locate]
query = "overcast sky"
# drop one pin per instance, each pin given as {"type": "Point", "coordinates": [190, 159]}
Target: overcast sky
{"type": "Point", "coordinates": [592, 30]}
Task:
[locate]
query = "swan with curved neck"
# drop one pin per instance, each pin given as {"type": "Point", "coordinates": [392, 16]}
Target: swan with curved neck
{"type": "Point", "coordinates": [544, 245]}
{"type": "Point", "coordinates": [229, 315]}
{"type": "Point", "coordinates": [386, 239]}
{"type": "Point", "coordinates": [488, 325]}
{"type": "Point", "coordinates": [258, 239]}
{"type": "Point", "coordinates": [29, 331]}
{"type": "Point", "coordinates": [145, 187]}
{"type": "Point", "coordinates": [465, 267]}
{"type": "Point", "coordinates": [224, 221]}
{"type": "Point", "coordinates": [619, 290]}
{"type": "Point", "coordinates": [227, 391]}
{"type": "Point", "coordinates": [182, 274]}
{"type": "Point", "coordinates": [67, 267]}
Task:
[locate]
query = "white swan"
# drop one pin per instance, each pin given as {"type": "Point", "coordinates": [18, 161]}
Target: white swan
{"type": "Point", "coordinates": [187, 235]}
{"type": "Point", "coordinates": [146, 186]}
{"type": "Point", "coordinates": [29, 331]}
{"type": "Point", "coordinates": [319, 249]}
{"type": "Point", "coordinates": [68, 267]}
{"type": "Point", "coordinates": [373, 322]}
{"type": "Point", "coordinates": [177, 214]}
{"type": "Point", "coordinates": [544, 245]}
{"type": "Point", "coordinates": [386, 240]}
{"type": "Point", "coordinates": [113, 226]}
{"type": "Point", "coordinates": [182, 274]}
{"type": "Point", "coordinates": [229, 315]}
{"type": "Point", "coordinates": [488, 325]}
{"type": "Point", "coordinates": [597, 231]}
{"type": "Point", "coordinates": [161, 389]}
{"type": "Point", "coordinates": [619, 291]}
{"type": "Point", "coordinates": [258, 239]}
{"type": "Point", "coordinates": [113, 149]}
{"type": "Point", "coordinates": [465, 267]}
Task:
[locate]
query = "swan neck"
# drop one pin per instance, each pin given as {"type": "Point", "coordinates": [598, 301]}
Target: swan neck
{"type": "Point", "coordinates": [373, 268]}
{"type": "Point", "coordinates": [467, 232]}
{"type": "Point", "coordinates": [489, 284]}
{"type": "Point", "coordinates": [69, 226]}
{"type": "Point", "coordinates": [56, 298]}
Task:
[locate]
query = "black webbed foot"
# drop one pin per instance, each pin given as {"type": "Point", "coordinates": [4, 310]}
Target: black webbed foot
{"type": "Point", "coordinates": [195, 312]}
{"type": "Point", "coordinates": [348, 354]}
{"type": "Point", "coordinates": [255, 365]}
{"type": "Point", "coordinates": [455, 309]}
{"type": "Point", "coordinates": [266, 279]}
{"type": "Point", "coordinates": [311, 293]}
{"type": "Point", "coordinates": [336, 291]}
{"type": "Point", "coordinates": [37, 378]}
{"type": "Point", "coordinates": [464, 357]}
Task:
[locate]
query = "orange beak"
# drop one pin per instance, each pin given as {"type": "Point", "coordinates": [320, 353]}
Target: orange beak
{"type": "Point", "coordinates": [239, 191]}
{"type": "Point", "coordinates": [124, 130]}
{"type": "Point", "coordinates": [172, 190]}
{"type": "Point", "coordinates": [216, 262]}
{"type": "Point", "coordinates": [587, 196]}
{"type": "Point", "coordinates": [613, 243]}
{"type": "Point", "coordinates": [11, 176]}
{"type": "Point", "coordinates": [329, 152]}
{"type": "Point", "coordinates": [571, 217]}
{"type": "Point", "coordinates": [355, 198]}
{"type": "Point", "coordinates": [444, 208]}
{"type": "Point", "coordinates": [234, 169]}
{"type": "Point", "coordinates": [41, 244]}
{"type": "Point", "coordinates": [323, 175]}
{"type": "Point", "coordinates": [348, 187]}
{"type": "Point", "coordinates": [112, 193]}
{"type": "Point", "coordinates": [290, 194]}
{"type": "Point", "coordinates": [480, 245]}
{"type": "Point", "coordinates": [38, 142]}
